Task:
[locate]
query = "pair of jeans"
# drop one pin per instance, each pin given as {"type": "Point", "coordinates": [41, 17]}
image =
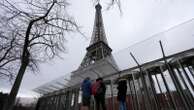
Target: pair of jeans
{"type": "Point", "coordinates": [100, 100]}
{"type": "Point", "coordinates": [122, 105]}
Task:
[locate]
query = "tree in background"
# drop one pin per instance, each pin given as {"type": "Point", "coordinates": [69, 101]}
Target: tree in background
{"type": "Point", "coordinates": [33, 31]}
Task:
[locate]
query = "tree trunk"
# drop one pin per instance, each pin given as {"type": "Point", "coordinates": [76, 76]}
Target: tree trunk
{"type": "Point", "coordinates": [9, 104]}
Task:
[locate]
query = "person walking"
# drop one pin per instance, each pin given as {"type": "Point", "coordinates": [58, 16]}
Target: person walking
{"type": "Point", "coordinates": [122, 91]}
{"type": "Point", "coordinates": [86, 93]}
{"type": "Point", "coordinates": [99, 90]}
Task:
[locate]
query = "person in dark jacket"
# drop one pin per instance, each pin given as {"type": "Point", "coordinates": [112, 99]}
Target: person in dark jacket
{"type": "Point", "coordinates": [100, 95]}
{"type": "Point", "coordinates": [86, 93]}
{"type": "Point", "coordinates": [122, 91]}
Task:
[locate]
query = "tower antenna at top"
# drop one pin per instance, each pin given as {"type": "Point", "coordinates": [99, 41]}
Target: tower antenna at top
{"type": "Point", "coordinates": [98, 1]}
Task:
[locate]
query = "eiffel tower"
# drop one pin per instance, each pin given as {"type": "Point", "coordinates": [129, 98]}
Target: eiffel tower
{"type": "Point", "coordinates": [98, 48]}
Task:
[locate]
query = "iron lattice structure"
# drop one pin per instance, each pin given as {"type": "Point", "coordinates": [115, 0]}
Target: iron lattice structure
{"type": "Point", "coordinates": [98, 48]}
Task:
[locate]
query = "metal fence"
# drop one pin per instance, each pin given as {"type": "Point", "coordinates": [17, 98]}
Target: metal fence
{"type": "Point", "coordinates": [163, 84]}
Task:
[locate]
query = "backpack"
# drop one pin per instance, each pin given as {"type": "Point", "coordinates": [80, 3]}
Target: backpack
{"type": "Point", "coordinates": [99, 90]}
{"type": "Point", "coordinates": [95, 88]}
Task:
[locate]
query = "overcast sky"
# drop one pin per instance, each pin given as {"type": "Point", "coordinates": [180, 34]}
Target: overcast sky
{"type": "Point", "coordinates": [140, 20]}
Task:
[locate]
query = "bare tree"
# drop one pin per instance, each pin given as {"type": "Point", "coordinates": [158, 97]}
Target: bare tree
{"type": "Point", "coordinates": [32, 31]}
{"type": "Point", "coordinates": [9, 45]}
{"type": "Point", "coordinates": [8, 59]}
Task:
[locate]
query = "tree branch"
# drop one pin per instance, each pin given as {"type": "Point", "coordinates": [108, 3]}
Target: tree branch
{"type": "Point", "coordinates": [8, 50]}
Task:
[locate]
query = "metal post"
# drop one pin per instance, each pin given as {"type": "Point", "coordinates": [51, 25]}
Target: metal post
{"type": "Point", "coordinates": [49, 103]}
{"type": "Point", "coordinates": [144, 82]}
{"type": "Point", "coordinates": [141, 95]}
{"type": "Point", "coordinates": [59, 100]}
{"type": "Point", "coordinates": [131, 96]}
{"type": "Point", "coordinates": [187, 76]}
{"type": "Point", "coordinates": [180, 89]}
{"type": "Point", "coordinates": [64, 101]}
{"type": "Point", "coordinates": [174, 79]}
{"type": "Point", "coordinates": [70, 99]}
{"type": "Point", "coordinates": [137, 100]}
{"type": "Point", "coordinates": [168, 90]}
{"type": "Point", "coordinates": [163, 103]}
{"type": "Point", "coordinates": [54, 102]}
{"type": "Point", "coordinates": [153, 90]}
{"type": "Point", "coordinates": [189, 96]}
{"type": "Point", "coordinates": [112, 95]}
{"type": "Point", "coordinates": [76, 99]}
{"type": "Point", "coordinates": [190, 70]}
